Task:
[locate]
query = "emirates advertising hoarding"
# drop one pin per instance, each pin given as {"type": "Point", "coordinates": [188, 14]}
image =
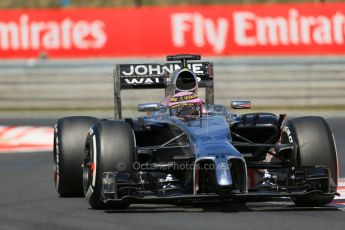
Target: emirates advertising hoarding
{"type": "Point", "coordinates": [224, 30]}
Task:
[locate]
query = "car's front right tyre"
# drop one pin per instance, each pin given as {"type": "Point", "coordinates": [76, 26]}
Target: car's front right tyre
{"type": "Point", "coordinates": [109, 147]}
{"type": "Point", "coordinates": [69, 142]}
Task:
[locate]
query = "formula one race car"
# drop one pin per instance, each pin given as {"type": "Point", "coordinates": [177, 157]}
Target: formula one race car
{"type": "Point", "coordinates": [186, 149]}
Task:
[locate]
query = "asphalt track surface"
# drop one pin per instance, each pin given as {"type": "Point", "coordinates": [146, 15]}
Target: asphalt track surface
{"type": "Point", "coordinates": [28, 201]}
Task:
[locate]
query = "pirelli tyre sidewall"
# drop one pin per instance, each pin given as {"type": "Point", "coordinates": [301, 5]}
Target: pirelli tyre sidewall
{"type": "Point", "coordinates": [69, 141]}
{"type": "Point", "coordinates": [109, 146]}
{"type": "Point", "coordinates": [316, 147]}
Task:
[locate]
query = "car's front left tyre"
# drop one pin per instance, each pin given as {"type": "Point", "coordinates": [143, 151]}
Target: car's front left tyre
{"type": "Point", "coordinates": [316, 147]}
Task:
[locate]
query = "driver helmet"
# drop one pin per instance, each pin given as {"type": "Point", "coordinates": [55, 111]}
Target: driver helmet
{"type": "Point", "coordinates": [185, 104]}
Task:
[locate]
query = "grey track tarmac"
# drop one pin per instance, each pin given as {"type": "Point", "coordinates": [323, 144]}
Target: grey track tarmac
{"type": "Point", "coordinates": [28, 201]}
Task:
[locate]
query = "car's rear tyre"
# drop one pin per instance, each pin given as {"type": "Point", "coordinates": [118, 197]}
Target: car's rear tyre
{"type": "Point", "coordinates": [109, 147]}
{"type": "Point", "coordinates": [69, 141]}
{"type": "Point", "coordinates": [316, 147]}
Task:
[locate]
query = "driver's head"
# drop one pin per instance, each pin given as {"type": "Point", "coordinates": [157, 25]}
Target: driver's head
{"type": "Point", "coordinates": [185, 104]}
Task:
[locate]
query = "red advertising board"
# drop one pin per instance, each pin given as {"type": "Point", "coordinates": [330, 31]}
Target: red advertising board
{"type": "Point", "coordinates": [270, 29]}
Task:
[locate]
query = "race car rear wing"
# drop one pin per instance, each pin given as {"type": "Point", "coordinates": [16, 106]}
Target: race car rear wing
{"type": "Point", "coordinates": [156, 76]}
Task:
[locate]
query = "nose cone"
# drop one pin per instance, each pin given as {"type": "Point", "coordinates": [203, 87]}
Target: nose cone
{"type": "Point", "coordinates": [223, 174]}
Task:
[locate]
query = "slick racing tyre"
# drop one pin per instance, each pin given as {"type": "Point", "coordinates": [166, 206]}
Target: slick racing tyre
{"type": "Point", "coordinates": [69, 142]}
{"type": "Point", "coordinates": [316, 147]}
{"type": "Point", "coordinates": [109, 147]}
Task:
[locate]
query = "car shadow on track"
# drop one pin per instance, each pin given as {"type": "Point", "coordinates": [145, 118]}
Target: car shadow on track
{"type": "Point", "coordinates": [232, 207]}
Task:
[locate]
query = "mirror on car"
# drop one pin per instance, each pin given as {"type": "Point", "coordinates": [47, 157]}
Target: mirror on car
{"type": "Point", "coordinates": [149, 107]}
{"type": "Point", "coordinates": [237, 104]}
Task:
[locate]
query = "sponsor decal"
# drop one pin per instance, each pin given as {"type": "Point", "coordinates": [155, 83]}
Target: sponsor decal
{"type": "Point", "coordinates": [184, 98]}
{"type": "Point", "coordinates": [288, 133]}
{"type": "Point", "coordinates": [24, 33]}
{"type": "Point", "coordinates": [295, 28]}
{"type": "Point", "coordinates": [275, 29]}
{"type": "Point", "coordinates": [154, 74]}
{"type": "Point", "coordinates": [204, 31]}
{"type": "Point", "coordinates": [184, 106]}
{"type": "Point", "coordinates": [91, 132]}
{"type": "Point", "coordinates": [157, 69]}
{"type": "Point", "coordinates": [142, 80]}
